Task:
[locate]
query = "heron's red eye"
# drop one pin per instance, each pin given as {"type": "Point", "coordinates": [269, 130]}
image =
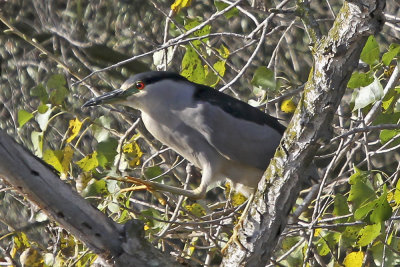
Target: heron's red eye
{"type": "Point", "coordinates": [140, 85]}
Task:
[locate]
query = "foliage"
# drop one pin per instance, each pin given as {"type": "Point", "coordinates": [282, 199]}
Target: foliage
{"type": "Point", "coordinates": [354, 219]}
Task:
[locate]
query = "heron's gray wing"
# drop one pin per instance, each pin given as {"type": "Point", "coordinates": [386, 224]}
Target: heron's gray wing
{"type": "Point", "coordinates": [236, 130]}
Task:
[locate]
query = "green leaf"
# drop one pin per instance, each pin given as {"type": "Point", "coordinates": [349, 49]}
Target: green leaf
{"type": "Point", "coordinates": [152, 172]}
{"type": "Point", "coordinates": [264, 78]}
{"type": "Point", "coordinates": [56, 81]}
{"type": "Point", "coordinates": [370, 52]}
{"type": "Point", "coordinates": [58, 95]}
{"type": "Point", "coordinates": [96, 188]}
{"type": "Point", "coordinates": [43, 109]}
{"type": "Point", "coordinates": [391, 118]}
{"type": "Point", "coordinates": [324, 244]}
{"type": "Point", "coordinates": [394, 50]}
{"type": "Point", "coordinates": [89, 162]}
{"type": "Point", "coordinates": [205, 30]}
{"type": "Point", "coordinates": [107, 150]}
{"type": "Point", "coordinates": [340, 207]}
{"type": "Point", "coordinates": [368, 95]}
{"type": "Point", "coordinates": [359, 176]}
{"type": "Point", "coordinates": [387, 135]}
{"type": "Point", "coordinates": [23, 117]}
{"type": "Point", "coordinates": [382, 210]}
{"type": "Point", "coordinates": [364, 210]}
{"type": "Point", "coordinates": [359, 79]}
{"type": "Point", "coordinates": [361, 191]}
{"type": "Point", "coordinates": [40, 91]}
{"type": "Point", "coordinates": [350, 234]}
{"type": "Point", "coordinates": [221, 5]}
{"type": "Point", "coordinates": [192, 67]}
{"type": "Point", "coordinates": [368, 234]}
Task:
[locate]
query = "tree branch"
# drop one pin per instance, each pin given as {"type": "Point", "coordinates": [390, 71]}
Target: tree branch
{"type": "Point", "coordinates": [116, 244]}
{"type": "Point", "coordinates": [335, 58]}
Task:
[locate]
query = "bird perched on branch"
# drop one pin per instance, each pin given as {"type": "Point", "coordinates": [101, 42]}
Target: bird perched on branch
{"type": "Point", "coordinates": [225, 137]}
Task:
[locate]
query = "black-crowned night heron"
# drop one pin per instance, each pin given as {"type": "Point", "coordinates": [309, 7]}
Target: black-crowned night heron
{"type": "Point", "coordinates": [223, 136]}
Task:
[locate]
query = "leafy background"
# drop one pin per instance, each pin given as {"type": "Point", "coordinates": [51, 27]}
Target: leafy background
{"type": "Point", "coordinates": [48, 46]}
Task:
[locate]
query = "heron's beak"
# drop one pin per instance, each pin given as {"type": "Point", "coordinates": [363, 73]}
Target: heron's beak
{"type": "Point", "coordinates": [108, 98]}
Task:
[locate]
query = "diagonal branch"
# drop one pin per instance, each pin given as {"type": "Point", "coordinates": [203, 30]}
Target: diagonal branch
{"type": "Point", "coordinates": [119, 245]}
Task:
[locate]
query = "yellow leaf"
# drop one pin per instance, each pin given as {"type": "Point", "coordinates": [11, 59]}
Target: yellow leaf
{"type": "Point", "coordinates": [288, 106]}
{"type": "Point", "coordinates": [89, 162]}
{"type": "Point", "coordinates": [133, 151]}
{"type": "Point", "coordinates": [354, 259]}
{"type": "Point", "coordinates": [67, 157]}
{"type": "Point", "coordinates": [179, 4]}
{"type": "Point", "coordinates": [238, 199]}
{"type": "Point", "coordinates": [73, 129]}
{"type": "Point", "coordinates": [53, 158]}
{"type": "Point", "coordinates": [196, 209]}
{"type": "Point", "coordinates": [317, 232]}
{"type": "Point", "coordinates": [31, 257]}
{"type": "Point", "coordinates": [223, 51]}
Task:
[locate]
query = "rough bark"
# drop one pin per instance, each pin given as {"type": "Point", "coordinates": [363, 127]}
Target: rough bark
{"type": "Point", "coordinates": [117, 245]}
{"type": "Point", "coordinates": [335, 57]}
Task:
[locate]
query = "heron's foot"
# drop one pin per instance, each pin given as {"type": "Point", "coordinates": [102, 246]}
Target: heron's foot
{"type": "Point", "coordinates": [234, 238]}
{"type": "Point", "coordinates": [140, 185]}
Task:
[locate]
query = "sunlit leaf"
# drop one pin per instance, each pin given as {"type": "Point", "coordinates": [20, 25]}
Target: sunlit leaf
{"type": "Point", "coordinates": [73, 129]}
{"type": "Point", "coordinates": [370, 52]}
{"type": "Point", "coordinates": [31, 257]}
{"type": "Point", "coordinates": [394, 50]}
{"type": "Point", "coordinates": [23, 117]}
{"type": "Point", "coordinates": [179, 4]}
{"type": "Point", "coordinates": [382, 210]}
{"type": "Point", "coordinates": [89, 162]}
{"type": "Point", "coordinates": [368, 95]}
{"type": "Point", "coordinates": [288, 106]}
{"type": "Point", "coordinates": [53, 158]}
{"type": "Point", "coordinates": [221, 5]}
{"type": "Point", "coordinates": [387, 135]}
{"type": "Point", "coordinates": [359, 79]}
{"type": "Point", "coordinates": [43, 109]}
{"type": "Point", "coordinates": [397, 193]}
{"type": "Point", "coordinates": [223, 51]}
{"type": "Point", "coordinates": [67, 158]}
{"type": "Point", "coordinates": [196, 209]}
{"type": "Point", "coordinates": [134, 153]}
{"type": "Point", "coordinates": [192, 67]}
{"type": "Point", "coordinates": [368, 234]}
{"type": "Point", "coordinates": [354, 259]}
{"type": "Point", "coordinates": [325, 243]}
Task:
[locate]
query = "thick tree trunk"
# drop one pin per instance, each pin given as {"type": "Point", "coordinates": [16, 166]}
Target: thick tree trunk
{"type": "Point", "coordinates": [116, 244]}
{"type": "Point", "coordinates": [335, 57]}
